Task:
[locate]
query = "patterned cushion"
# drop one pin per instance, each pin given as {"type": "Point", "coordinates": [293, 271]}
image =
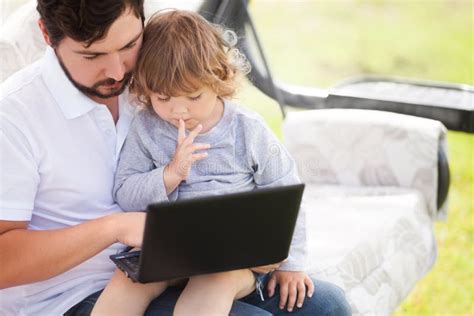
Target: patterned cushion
{"type": "Point", "coordinates": [374, 242]}
{"type": "Point", "coordinates": [367, 148]}
{"type": "Point", "coordinates": [371, 195]}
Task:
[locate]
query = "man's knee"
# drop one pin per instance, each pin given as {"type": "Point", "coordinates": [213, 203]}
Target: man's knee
{"type": "Point", "coordinates": [328, 299]}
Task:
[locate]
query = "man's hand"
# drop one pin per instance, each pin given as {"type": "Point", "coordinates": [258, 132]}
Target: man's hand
{"type": "Point", "coordinates": [178, 169]}
{"type": "Point", "coordinates": [294, 286]}
{"type": "Point", "coordinates": [131, 226]}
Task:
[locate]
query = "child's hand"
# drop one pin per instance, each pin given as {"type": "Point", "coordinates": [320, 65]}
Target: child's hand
{"type": "Point", "coordinates": [178, 169]}
{"type": "Point", "coordinates": [293, 285]}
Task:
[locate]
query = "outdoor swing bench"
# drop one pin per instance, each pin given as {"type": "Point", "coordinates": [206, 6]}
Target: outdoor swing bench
{"type": "Point", "coordinates": [372, 152]}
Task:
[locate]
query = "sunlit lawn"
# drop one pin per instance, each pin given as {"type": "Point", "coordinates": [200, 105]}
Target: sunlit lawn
{"type": "Point", "coordinates": [318, 43]}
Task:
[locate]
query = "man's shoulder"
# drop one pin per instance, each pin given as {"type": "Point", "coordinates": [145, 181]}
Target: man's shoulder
{"type": "Point", "coordinates": [23, 84]}
{"type": "Point", "coordinates": [24, 97]}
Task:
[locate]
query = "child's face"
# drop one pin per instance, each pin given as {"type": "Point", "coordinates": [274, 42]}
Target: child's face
{"type": "Point", "coordinates": [200, 107]}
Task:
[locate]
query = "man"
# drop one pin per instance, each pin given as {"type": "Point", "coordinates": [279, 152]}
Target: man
{"type": "Point", "coordinates": [63, 121]}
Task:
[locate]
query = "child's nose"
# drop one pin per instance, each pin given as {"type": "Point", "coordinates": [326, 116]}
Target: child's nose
{"type": "Point", "coordinates": [180, 109]}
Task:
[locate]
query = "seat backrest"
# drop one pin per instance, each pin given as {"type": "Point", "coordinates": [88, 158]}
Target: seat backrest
{"type": "Point", "coordinates": [358, 148]}
{"type": "Point", "coordinates": [21, 42]}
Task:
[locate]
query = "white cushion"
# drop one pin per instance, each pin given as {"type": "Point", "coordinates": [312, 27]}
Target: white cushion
{"type": "Point", "coordinates": [374, 242]}
{"type": "Point", "coordinates": [367, 148]}
{"type": "Point", "coordinates": [21, 42]}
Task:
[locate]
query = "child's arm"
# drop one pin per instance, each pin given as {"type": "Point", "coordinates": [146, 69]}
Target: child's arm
{"type": "Point", "coordinates": [274, 166]}
{"type": "Point", "coordinates": [139, 181]}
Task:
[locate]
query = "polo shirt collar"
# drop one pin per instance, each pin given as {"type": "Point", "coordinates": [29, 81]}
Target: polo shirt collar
{"type": "Point", "coordinates": [72, 102]}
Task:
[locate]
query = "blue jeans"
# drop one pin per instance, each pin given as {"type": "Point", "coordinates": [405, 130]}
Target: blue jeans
{"type": "Point", "coordinates": [327, 299]}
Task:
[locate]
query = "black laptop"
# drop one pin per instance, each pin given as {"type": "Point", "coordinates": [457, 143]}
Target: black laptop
{"type": "Point", "coordinates": [214, 234]}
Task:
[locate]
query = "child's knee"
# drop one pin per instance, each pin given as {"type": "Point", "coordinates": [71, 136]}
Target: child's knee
{"type": "Point", "coordinates": [236, 282]}
{"type": "Point", "coordinates": [218, 277]}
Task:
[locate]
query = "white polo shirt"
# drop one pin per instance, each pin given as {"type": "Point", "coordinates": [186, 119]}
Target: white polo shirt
{"type": "Point", "coordinates": [58, 154]}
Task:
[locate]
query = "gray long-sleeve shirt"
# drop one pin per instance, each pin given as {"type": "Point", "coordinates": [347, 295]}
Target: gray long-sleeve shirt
{"type": "Point", "coordinates": [244, 155]}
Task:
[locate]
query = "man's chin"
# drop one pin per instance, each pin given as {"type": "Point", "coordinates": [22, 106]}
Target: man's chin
{"type": "Point", "coordinates": [98, 90]}
{"type": "Point", "coordinates": [108, 93]}
{"type": "Point", "coordinates": [104, 93]}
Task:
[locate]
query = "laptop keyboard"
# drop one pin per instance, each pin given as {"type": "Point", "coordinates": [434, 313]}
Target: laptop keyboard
{"type": "Point", "coordinates": [131, 262]}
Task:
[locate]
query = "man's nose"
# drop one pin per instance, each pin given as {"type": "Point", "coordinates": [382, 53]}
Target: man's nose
{"type": "Point", "coordinates": [115, 68]}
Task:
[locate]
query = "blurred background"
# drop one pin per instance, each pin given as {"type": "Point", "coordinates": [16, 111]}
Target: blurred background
{"type": "Point", "coordinates": [319, 43]}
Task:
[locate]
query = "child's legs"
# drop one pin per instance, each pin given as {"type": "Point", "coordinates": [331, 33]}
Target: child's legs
{"type": "Point", "coordinates": [124, 297]}
{"type": "Point", "coordinates": [213, 294]}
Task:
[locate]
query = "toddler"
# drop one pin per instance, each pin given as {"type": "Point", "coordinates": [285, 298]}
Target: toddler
{"type": "Point", "coordinates": [191, 140]}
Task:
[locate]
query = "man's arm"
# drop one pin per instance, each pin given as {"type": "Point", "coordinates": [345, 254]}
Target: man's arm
{"type": "Point", "coordinates": [29, 256]}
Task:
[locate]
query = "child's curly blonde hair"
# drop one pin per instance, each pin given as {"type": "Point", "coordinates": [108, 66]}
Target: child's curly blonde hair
{"type": "Point", "coordinates": [183, 52]}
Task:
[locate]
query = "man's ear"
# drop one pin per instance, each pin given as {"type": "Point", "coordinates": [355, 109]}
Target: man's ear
{"type": "Point", "coordinates": [44, 31]}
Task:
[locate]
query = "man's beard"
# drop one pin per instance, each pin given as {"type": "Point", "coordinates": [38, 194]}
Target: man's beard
{"type": "Point", "coordinates": [93, 91]}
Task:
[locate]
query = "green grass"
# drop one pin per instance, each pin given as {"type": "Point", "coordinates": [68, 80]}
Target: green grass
{"type": "Point", "coordinates": [320, 43]}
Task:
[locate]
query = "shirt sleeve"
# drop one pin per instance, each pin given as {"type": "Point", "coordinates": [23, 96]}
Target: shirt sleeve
{"type": "Point", "coordinates": [138, 182]}
{"type": "Point", "coordinates": [19, 176]}
{"type": "Point", "coordinates": [274, 166]}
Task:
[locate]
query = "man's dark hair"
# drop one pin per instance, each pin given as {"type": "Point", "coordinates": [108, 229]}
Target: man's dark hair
{"type": "Point", "coordinates": [83, 20]}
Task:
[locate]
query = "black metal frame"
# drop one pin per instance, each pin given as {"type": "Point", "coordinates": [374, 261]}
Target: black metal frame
{"type": "Point", "coordinates": [234, 14]}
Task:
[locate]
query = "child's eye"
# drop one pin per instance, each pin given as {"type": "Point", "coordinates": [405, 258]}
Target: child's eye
{"type": "Point", "coordinates": [195, 98]}
{"type": "Point", "coordinates": [163, 99]}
